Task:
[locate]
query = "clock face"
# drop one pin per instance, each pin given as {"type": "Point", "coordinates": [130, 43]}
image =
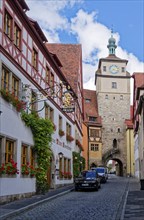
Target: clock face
{"type": "Point", "coordinates": [114, 69]}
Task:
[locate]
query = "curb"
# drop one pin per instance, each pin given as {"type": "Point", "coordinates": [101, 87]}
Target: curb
{"type": "Point", "coordinates": [13, 213]}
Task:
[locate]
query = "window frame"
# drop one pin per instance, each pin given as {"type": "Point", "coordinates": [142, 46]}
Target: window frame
{"type": "Point", "coordinates": [24, 154]}
{"type": "Point", "coordinates": [15, 86]}
{"type": "Point", "coordinates": [9, 153]}
{"type": "Point", "coordinates": [35, 58]}
{"type": "Point", "coordinates": [114, 85]}
{"type": "Point", "coordinates": [8, 23]}
{"type": "Point", "coordinates": [17, 36]}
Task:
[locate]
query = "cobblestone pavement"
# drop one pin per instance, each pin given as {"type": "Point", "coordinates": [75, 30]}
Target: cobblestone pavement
{"type": "Point", "coordinates": [82, 205]}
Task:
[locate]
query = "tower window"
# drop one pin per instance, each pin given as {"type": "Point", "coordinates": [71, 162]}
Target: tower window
{"type": "Point", "coordinates": [106, 96]}
{"type": "Point", "coordinates": [123, 69]}
{"type": "Point", "coordinates": [87, 100]}
{"type": "Point", "coordinates": [104, 68]}
{"type": "Point", "coordinates": [114, 143]}
{"type": "Point", "coordinates": [114, 85]}
{"type": "Point", "coordinates": [92, 118]}
{"type": "Point", "coordinates": [118, 130]}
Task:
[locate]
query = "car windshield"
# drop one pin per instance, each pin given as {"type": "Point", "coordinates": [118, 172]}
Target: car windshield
{"type": "Point", "coordinates": [89, 174]}
{"type": "Point", "coordinates": [100, 170]}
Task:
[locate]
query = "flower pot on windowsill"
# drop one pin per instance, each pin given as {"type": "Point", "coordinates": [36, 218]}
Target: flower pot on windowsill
{"type": "Point", "coordinates": [69, 138]}
{"type": "Point", "coordinates": [61, 133]}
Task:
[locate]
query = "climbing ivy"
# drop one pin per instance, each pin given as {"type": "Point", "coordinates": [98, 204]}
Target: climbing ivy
{"type": "Point", "coordinates": [42, 130]}
{"type": "Point", "coordinates": [78, 163]}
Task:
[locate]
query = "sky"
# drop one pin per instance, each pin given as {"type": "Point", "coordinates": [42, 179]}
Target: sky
{"type": "Point", "coordinates": [89, 23]}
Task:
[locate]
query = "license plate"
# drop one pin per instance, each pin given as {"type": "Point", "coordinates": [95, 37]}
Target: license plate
{"type": "Point", "coordinates": [85, 184]}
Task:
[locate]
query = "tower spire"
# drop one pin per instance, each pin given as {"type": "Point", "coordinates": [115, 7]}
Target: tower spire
{"type": "Point", "coordinates": [111, 44]}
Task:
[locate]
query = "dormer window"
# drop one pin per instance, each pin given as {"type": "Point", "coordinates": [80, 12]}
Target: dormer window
{"type": "Point", "coordinates": [92, 118]}
{"type": "Point", "coordinates": [87, 100]}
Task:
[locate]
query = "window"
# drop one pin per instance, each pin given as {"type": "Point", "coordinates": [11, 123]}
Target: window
{"type": "Point", "coordinates": [51, 114]}
{"type": "Point", "coordinates": [32, 157]}
{"type": "Point", "coordinates": [114, 85]}
{"type": "Point", "coordinates": [65, 162]}
{"type": "Point", "coordinates": [17, 36]}
{"type": "Point", "coordinates": [94, 133]}
{"type": "Point", "coordinates": [61, 92]}
{"type": "Point", "coordinates": [47, 75]}
{"type": "Point", "coordinates": [24, 154]}
{"type": "Point", "coordinates": [121, 97]}
{"type": "Point", "coordinates": [118, 130]}
{"type": "Point", "coordinates": [5, 79]}
{"type": "Point", "coordinates": [60, 164]}
{"type": "Point", "coordinates": [46, 111]}
{"type": "Point", "coordinates": [33, 101]}
{"type": "Point", "coordinates": [106, 96]}
{"type": "Point", "coordinates": [9, 151]}
{"type": "Point", "coordinates": [104, 68]}
{"type": "Point", "coordinates": [123, 69]}
{"type": "Point", "coordinates": [69, 165]}
{"type": "Point", "coordinates": [114, 143]}
{"type": "Point", "coordinates": [15, 86]}
{"type": "Point", "coordinates": [34, 59]}
{"type": "Point", "coordinates": [8, 24]}
{"type": "Point", "coordinates": [92, 118]}
{"type": "Point", "coordinates": [94, 147]}
{"type": "Point", "coordinates": [68, 129]}
{"type": "Point", "coordinates": [87, 100]}
{"type": "Point", "coordinates": [60, 122]}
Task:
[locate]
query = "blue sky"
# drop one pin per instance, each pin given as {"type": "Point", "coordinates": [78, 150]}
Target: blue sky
{"type": "Point", "coordinates": [89, 23]}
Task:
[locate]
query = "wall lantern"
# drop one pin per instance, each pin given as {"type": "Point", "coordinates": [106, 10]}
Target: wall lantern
{"type": "Point", "coordinates": [60, 155]}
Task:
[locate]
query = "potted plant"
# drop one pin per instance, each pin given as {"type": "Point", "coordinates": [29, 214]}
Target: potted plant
{"type": "Point", "coordinates": [61, 132]}
{"type": "Point", "coordinates": [10, 168]}
{"type": "Point", "coordinates": [69, 138]}
{"type": "Point", "coordinates": [25, 169]}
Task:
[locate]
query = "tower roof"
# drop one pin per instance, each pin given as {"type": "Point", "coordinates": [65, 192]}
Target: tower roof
{"type": "Point", "coordinates": [111, 44]}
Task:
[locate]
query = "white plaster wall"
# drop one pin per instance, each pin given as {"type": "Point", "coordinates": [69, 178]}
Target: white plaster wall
{"type": "Point", "coordinates": [12, 186]}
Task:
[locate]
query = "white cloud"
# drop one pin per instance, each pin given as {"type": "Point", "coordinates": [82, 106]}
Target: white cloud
{"type": "Point", "coordinates": [94, 39]}
{"type": "Point", "coordinates": [88, 31]}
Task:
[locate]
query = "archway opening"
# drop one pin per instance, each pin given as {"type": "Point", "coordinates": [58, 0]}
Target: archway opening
{"type": "Point", "coordinates": [115, 166]}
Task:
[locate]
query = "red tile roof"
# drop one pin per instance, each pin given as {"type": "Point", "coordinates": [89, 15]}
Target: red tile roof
{"type": "Point", "coordinates": [90, 106]}
{"type": "Point", "coordinates": [70, 55]}
{"type": "Point", "coordinates": [139, 79]}
{"type": "Point", "coordinates": [129, 123]}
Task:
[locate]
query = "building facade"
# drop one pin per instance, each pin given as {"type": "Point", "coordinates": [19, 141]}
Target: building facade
{"type": "Point", "coordinates": [32, 76]}
{"type": "Point", "coordinates": [138, 118]}
{"type": "Point", "coordinates": [92, 134]}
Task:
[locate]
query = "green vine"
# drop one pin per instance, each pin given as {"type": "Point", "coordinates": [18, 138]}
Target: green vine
{"type": "Point", "coordinates": [78, 163]}
{"type": "Point", "coordinates": [42, 130]}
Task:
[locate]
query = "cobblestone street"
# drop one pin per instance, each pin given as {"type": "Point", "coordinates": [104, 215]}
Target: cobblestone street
{"type": "Point", "coordinates": [106, 204]}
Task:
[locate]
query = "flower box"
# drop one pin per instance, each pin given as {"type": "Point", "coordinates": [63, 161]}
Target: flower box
{"type": "Point", "coordinates": [69, 138]}
{"type": "Point", "coordinates": [9, 168]}
{"type": "Point", "coordinates": [27, 169]}
{"type": "Point", "coordinates": [11, 98]}
{"type": "Point", "coordinates": [61, 133]}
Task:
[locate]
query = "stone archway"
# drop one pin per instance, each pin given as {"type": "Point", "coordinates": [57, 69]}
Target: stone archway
{"type": "Point", "coordinates": [93, 165]}
{"type": "Point", "coordinates": [118, 166]}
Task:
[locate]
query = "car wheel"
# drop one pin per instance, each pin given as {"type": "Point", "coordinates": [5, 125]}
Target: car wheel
{"type": "Point", "coordinates": [99, 186]}
{"type": "Point", "coordinates": [76, 189]}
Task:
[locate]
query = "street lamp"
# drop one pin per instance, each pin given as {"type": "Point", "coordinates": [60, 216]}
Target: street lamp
{"type": "Point", "coordinates": [60, 155]}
